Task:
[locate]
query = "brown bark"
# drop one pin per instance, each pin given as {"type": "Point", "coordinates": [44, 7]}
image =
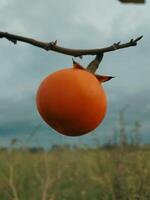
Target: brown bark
{"type": "Point", "coordinates": [132, 1]}
{"type": "Point", "coordinates": [71, 52]}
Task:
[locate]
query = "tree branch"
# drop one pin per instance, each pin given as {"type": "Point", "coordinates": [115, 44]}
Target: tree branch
{"type": "Point", "coordinates": [71, 52]}
{"type": "Point", "coordinates": [132, 1]}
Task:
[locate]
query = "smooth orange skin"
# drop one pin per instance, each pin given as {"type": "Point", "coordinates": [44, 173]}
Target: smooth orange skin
{"type": "Point", "coordinates": [71, 101]}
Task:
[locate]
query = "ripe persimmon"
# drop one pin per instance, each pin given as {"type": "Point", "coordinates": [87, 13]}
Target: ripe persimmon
{"type": "Point", "coordinates": [72, 101]}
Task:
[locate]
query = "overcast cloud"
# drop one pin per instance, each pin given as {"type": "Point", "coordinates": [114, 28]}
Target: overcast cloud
{"type": "Point", "coordinates": [75, 24]}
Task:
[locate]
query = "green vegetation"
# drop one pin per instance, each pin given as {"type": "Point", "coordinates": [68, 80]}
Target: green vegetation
{"type": "Point", "coordinates": [121, 173]}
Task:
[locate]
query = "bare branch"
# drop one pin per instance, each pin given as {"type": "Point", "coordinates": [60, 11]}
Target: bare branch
{"type": "Point", "coordinates": [72, 52]}
{"type": "Point", "coordinates": [132, 1]}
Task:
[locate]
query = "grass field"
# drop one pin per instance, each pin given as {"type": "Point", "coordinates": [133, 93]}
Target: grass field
{"type": "Point", "coordinates": [79, 174]}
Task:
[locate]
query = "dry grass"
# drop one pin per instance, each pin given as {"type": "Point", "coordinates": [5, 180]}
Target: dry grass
{"type": "Point", "coordinates": [94, 174]}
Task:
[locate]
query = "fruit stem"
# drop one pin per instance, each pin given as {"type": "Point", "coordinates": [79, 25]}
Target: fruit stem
{"type": "Point", "coordinates": [94, 64]}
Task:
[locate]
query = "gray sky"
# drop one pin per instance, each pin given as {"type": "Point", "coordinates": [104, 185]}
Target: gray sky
{"type": "Point", "coordinates": [75, 24]}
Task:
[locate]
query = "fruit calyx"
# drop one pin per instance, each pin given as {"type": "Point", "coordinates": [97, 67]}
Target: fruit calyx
{"type": "Point", "coordinates": [101, 78]}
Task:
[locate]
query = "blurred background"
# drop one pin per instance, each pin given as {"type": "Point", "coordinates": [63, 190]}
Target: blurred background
{"type": "Point", "coordinates": [75, 24]}
{"type": "Point", "coordinates": [105, 162]}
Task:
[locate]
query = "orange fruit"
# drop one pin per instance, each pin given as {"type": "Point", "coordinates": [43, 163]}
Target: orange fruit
{"type": "Point", "coordinates": [72, 101]}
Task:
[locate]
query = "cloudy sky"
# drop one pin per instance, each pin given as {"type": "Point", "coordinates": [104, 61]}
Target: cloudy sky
{"type": "Point", "coordinates": [75, 24]}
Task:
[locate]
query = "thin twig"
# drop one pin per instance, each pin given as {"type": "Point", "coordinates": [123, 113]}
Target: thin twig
{"type": "Point", "coordinates": [132, 1]}
{"type": "Point", "coordinates": [11, 182]}
{"type": "Point", "coordinates": [47, 178]}
{"type": "Point", "coordinates": [72, 52]}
